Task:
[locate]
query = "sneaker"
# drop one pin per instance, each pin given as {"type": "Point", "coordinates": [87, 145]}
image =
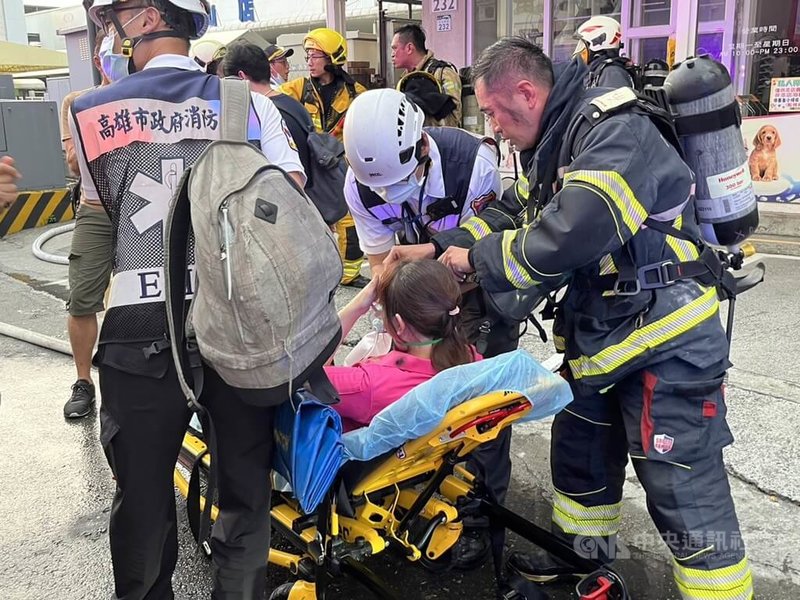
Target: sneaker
{"type": "Point", "coordinates": [472, 549]}
{"type": "Point", "coordinates": [359, 282]}
{"type": "Point", "coordinates": [81, 401]}
{"type": "Point", "coordinates": [540, 566]}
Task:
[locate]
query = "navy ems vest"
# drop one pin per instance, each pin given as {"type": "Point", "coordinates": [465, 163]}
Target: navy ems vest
{"type": "Point", "coordinates": [458, 150]}
{"type": "Point", "coordinates": [138, 137]}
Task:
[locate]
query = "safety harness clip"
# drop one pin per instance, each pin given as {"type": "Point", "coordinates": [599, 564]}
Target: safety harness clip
{"type": "Point", "coordinates": [656, 275]}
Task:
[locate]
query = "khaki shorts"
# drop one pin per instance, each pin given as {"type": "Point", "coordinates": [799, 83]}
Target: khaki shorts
{"type": "Point", "coordinates": [90, 261]}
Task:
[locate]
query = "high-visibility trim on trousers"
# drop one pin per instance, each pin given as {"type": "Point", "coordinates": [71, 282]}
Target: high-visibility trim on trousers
{"type": "Point", "coordinates": [349, 250]}
{"type": "Point", "coordinates": [574, 518]}
{"type": "Point", "coordinates": [726, 583]}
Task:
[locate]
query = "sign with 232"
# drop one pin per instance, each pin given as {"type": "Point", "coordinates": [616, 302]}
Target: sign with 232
{"type": "Point", "coordinates": [444, 5]}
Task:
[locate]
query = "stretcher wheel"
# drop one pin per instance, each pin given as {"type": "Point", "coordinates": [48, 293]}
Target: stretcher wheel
{"type": "Point", "coordinates": [294, 590]}
{"type": "Point", "coordinates": [440, 565]}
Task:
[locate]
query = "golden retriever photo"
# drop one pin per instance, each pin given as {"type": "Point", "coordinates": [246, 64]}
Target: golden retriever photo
{"type": "Point", "coordinates": [763, 160]}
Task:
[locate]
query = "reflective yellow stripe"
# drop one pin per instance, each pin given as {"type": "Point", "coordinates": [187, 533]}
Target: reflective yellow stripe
{"type": "Point", "coordinates": [727, 583]}
{"type": "Point", "coordinates": [617, 189]}
{"type": "Point", "coordinates": [477, 227]}
{"type": "Point", "coordinates": [515, 273]}
{"type": "Point", "coordinates": [574, 518]}
{"type": "Point", "coordinates": [523, 187]}
{"type": "Point", "coordinates": [684, 250]}
{"type": "Point", "coordinates": [607, 266]}
{"type": "Point", "coordinates": [648, 337]}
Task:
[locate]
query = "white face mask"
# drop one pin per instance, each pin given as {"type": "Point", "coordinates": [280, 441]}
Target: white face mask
{"type": "Point", "coordinates": [277, 79]}
{"type": "Point", "coordinates": [399, 192]}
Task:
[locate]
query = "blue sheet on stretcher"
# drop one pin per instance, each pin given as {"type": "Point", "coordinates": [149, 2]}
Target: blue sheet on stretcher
{"type": "Point", "coordinates": [422, 409]}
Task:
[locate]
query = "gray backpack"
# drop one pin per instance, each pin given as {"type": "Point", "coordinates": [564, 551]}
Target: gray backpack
{"type": "Point", "coordinates": [266, 267]}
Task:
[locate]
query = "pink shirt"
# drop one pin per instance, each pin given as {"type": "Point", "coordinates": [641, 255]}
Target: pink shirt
{"type": "Point", "coordinates": [368, 387]}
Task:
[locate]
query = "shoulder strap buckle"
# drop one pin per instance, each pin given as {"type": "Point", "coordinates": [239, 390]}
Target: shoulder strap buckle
{"type": "Point", "coordinates": [656, 275]}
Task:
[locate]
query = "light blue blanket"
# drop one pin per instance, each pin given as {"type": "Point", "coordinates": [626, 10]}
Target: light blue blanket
{"type": "Point", "coordinates": [422, 409]}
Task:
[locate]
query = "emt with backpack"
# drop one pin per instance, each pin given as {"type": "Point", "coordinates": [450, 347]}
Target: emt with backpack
{"type": "Point", "coordinates": [134, 139]}
{"type": "Point", "coordinates": [405, 184]}
{"type": "Point", "coordinates": [320, 153]}
{"type": "Point", "coordinates": [327, 96]}
{"type": "Point", "coordinates": [645, 356]}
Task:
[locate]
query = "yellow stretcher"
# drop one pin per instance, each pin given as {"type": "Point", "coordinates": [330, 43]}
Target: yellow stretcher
{"type": "Point", "coordinates": [407, 501]}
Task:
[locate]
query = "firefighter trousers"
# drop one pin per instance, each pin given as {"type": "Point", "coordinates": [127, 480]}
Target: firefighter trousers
{"type": "Point", "coordinates": [349, 250]}
{"type": "Point", "coordinates": [490, 462]}
{"type": "Point", "coordinates": [670, 419]}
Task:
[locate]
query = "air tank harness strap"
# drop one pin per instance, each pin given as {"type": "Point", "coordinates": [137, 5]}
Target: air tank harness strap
{"type": "Point", "coordinates": [709, 270]}
{"type": "Point", "coordinates": [715, 120]}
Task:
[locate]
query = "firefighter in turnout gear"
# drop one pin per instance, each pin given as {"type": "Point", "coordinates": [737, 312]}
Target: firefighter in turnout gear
{"type": "Point", "coordinates": [327, 95]}
{"type": "Point", "coordinates": [599, 45]}
{"type": "Point", "coordinates": [409, 53]}
{"type": "Point", "coordinates": [645, 353]}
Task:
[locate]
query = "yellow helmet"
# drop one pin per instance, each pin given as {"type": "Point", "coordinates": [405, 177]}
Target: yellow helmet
{"type": "Point", "coordinates": [328, 41]}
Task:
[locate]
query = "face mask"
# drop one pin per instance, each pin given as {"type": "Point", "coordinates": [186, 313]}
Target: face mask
{"type": "Point", "coordinates": [277, 79]}
{"type": "Point", "coordinates": [399, 192]}
{"type": "Point", "coordinates": [115, 66]}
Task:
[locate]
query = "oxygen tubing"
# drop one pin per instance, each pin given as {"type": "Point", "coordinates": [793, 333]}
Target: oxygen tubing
{"type": "Point", "coordinates": [40, 241]}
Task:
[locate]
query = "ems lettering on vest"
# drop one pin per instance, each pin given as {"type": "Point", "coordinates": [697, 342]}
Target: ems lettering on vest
{"type": "Point", "coordinates": [142, 286]}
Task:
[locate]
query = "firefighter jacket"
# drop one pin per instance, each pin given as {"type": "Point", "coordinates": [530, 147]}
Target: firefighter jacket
{"type": "Point", "coordinates": [610, 72]}
{"type": "Point", "coordinates": [447, 76]}
{"type": "Point", "coordinates": [593, 185]}
{"type": "Point", "coordinates": [326, 118]}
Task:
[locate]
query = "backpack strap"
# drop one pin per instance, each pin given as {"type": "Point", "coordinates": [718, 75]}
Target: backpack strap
{"type": "Point", "coordinates": [235, 108]}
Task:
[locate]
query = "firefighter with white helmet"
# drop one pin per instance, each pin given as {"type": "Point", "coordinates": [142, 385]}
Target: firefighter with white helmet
{"type": "Point", "coordinates": [599, 44]}
{"type": "Point", "coordinates": [405, 184]}
{"type": "Point", "coordinates": [133, 140]}
{"type": "Point", "coordinates": [327, 94]}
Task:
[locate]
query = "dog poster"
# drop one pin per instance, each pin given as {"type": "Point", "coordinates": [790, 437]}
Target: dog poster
{"type": "Point", "coordinates": [774, 164]}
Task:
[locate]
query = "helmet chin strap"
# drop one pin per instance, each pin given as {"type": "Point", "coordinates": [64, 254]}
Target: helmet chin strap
{"type": "Point", "coordinates": [129, 44]}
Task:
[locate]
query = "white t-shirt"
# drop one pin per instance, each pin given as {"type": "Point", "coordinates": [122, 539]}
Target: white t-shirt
{"type": "Point", "coordinates": [276, 141]}
{"type": "Point", "coordinates": [376, 238]}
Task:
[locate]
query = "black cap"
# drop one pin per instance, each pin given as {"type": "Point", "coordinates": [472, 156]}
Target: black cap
{"type": "Point", "coordinates": [274, 52]}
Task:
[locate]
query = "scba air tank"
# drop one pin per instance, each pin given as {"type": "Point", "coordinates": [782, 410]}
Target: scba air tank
{"type": "Point", "coordinates": [708, 122]}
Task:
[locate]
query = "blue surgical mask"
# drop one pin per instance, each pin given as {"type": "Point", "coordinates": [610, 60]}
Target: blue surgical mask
{"type": "Point", "coordinates": [399, 192]}
{"type": "Point", "coordinates": [115, 66]}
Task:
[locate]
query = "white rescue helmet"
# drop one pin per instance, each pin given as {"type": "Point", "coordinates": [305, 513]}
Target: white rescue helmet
{"type": "Point", "coordinates": [198, 8]}
{"type": "Point", "coordinates": [383, 137]}
{"type": "Point", "coordinates": [599, 33]}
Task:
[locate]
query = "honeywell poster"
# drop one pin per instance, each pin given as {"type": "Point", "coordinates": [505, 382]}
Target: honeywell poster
{"type": "Point", "coordinates": [773, 157]}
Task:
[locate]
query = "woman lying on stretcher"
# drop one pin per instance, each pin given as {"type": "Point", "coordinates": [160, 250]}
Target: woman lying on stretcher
{"type": "Point", "coordinates": [419, 308]}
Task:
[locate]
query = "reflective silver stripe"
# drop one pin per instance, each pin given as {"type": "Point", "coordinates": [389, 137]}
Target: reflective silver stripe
{"type": "Point", "coordinates": [726, 583]}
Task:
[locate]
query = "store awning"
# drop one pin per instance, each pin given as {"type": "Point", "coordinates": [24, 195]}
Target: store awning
{"type": "Point", "coordinates": [18, 58]}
